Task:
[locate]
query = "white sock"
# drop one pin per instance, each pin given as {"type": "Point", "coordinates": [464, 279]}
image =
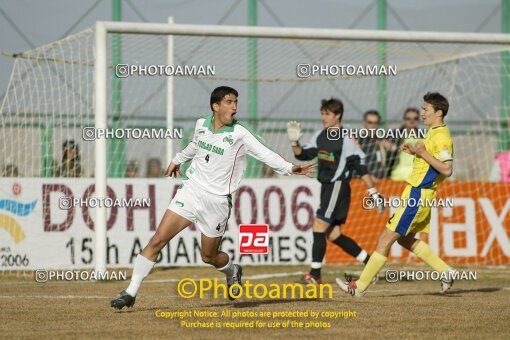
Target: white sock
{"type": "Point", "coordinates": [229, 269]}
{"type": "Point", "coordinates": [316, 265]}
{"type": "Point", "coordinates": [141, 269]}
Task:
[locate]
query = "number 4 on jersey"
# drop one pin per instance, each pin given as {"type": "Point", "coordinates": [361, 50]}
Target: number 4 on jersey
{"type": "Point", "coordinates": [207, 158]}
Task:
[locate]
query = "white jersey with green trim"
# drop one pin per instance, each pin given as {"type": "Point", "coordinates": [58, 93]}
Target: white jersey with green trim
{"type": "Point", "coordinates": [219, 158]}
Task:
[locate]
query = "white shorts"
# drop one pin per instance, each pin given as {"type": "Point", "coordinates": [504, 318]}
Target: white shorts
{"type": "Point", "coordinates": [209, 212]}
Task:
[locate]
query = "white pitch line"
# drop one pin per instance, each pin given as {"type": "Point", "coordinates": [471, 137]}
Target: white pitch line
{"type": "Point", "coordinates": [268, 276]}
{"type": "Point", "coordinates": [54, 296]}
{"type": "Point", "coordinates": [162, 280]}
{"type": "Point", "coordinates": [421, 290]}
{"type": "Point", "coordinates": [49, 283]}
{"type": "Point", "coordinates": [66, 296]}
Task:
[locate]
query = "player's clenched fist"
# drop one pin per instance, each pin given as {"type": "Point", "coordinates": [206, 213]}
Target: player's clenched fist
{"type": "Point", "coordinates": [294, 132]}
{"type": "Point", "coordinates": [419, 149]}
{"type": "Point", "coordinates": [409, 148]}
{"type": "Point", "coordinates": [173, 170]}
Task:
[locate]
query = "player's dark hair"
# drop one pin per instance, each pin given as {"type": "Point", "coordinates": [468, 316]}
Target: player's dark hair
{"type": "Point", "coordinates": [334, 105]}
{"type": "Point", "coordinates": [372, 113]}
{"type": "Point", "coordinates": [411, 109]}
{"type": "Point", "coordinates": [438, 101]}
{"type": "Point", "coordinates": [219, 93]}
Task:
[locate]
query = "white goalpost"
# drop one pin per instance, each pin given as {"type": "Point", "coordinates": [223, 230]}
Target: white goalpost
{"type": "Point", "coordinates": [102, 29]}
{"type": "Point", "coordinates": [100, 72]}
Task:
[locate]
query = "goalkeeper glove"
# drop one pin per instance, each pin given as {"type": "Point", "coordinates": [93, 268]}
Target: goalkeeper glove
{"type": "Point", "coordinates": [294, 132]}
{"type": "Point", "coordinates": [377, 200]}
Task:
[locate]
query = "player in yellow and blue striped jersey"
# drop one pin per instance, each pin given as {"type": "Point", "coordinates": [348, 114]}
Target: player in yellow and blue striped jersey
{"type": "Point", "coordinates": [433, 162]}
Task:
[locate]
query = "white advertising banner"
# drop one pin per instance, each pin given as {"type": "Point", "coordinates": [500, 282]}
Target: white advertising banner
{"type": "Point", "coordinates": [41, 229]}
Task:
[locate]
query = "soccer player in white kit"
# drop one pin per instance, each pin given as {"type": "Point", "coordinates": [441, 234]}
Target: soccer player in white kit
{"type": "Point", "coordinates": [218, 152]}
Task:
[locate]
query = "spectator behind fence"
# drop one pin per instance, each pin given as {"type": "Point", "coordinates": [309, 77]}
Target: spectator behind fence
{"type": "Point", "coordinates": [501, 168]}
{"type": "Point", "coordinates": [402, 162]}
{"type": "Point", "coordinates": [71, 166]}
{"type": "Point", "coordinates": [10, 170]}
{"type": "Point", "coordinates": [154, 168]}
{"type": "Point", "coordinates": [375, 149]}
{"type": "Point", "coordinates": [132, 169]}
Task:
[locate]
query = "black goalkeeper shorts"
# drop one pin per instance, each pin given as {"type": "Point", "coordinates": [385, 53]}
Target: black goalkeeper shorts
{"type": "Point", "coordinates": [335, 201]}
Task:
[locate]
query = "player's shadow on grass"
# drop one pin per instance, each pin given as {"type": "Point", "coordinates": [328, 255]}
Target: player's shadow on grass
{"type": "Point", "coordinates": [255, 303]}
{"type": "Point", "coordinates": [152, 310]}
{"type": "Point", "coordinates": [451, 293]}
{"type": "Point", "coordinates": [473, 290]}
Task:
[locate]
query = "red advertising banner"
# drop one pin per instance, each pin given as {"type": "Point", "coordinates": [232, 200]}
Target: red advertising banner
{"type": "Point", "coordinates": [475, 229]}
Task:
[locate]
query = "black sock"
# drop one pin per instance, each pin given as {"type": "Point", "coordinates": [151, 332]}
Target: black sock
{"type": "Point", "coordinates": [318, 251]}
{"type": "Point", "coordinates": [350, 246]}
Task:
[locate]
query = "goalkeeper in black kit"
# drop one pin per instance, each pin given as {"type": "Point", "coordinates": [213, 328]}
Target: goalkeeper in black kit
{"type": "Point", "coordinates": [338, 159]}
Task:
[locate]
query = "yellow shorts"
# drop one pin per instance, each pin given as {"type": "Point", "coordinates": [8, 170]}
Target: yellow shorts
{"type": "Point", "coordinates": [412, 216]}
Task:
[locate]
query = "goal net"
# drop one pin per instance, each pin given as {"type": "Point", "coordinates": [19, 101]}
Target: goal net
{"type": "Point", "coordinates": [51, 97]}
